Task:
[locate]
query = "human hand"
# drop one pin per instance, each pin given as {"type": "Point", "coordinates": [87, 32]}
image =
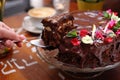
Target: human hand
{"type": "Point", "coordinates": [9, 36]}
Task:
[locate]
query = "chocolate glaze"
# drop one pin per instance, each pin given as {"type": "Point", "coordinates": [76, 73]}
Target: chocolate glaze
{"type": "Point", "coordinates": [87, 55]}
{"type": "Point", "coordinates": [84, 55]}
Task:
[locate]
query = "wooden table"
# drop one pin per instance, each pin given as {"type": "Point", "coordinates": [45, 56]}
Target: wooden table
{"type": "Point", "coordinates": [24, 63]}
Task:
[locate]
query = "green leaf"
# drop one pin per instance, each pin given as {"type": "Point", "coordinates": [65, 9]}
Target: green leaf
{"type": "Point", "coordinates": [72, 34]}
{"type": "Point", "coordinates": [118, 24]}
{"type": "Point", "coordinates": [115, 28]}
{"type": "Point", "coordinates": [106, 15]}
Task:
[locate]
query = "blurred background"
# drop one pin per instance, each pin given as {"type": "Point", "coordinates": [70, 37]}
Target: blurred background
{"type": "Point", "coordinates": [16, 6]}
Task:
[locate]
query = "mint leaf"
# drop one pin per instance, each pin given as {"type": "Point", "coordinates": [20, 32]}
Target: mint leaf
{"type": "Point", "coordinates": [115, 28]}
{"type": "Point", "coordinates": [106, 15]}
{"type": "Point", "coordinates": [72, 34]}
{"type": "Point", "coordinates": [118, 24]}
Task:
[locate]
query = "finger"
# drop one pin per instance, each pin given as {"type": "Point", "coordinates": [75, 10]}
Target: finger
{"type": "Point", "coordinates": [9, 43]}
{"type": "Point", "coordinates": [22, 37]}
{"type": "Point", "coordinates": [19, 44]}
{"type": "Point", "coordinates": [3, 25]}
{"type": "Point", "coordinates": [10, 35]}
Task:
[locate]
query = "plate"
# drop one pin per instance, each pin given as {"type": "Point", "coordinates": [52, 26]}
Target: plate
{"type": "Point", "coordinates": [32, 25]}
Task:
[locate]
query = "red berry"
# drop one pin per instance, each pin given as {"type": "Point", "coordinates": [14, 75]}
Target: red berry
{"type": "Point", "coordinates": [108, 40]}
{"type": "Point", "coordinates": [115, 13]}
{"type": "Point", "coordinates": [83, 32]}
{"type": "Point", "coordinates": [75, 41]}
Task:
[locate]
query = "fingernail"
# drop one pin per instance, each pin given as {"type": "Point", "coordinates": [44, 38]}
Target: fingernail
{"type": "Point", "coordinates": [22, 37]}
{"type": "Point", "coordinates": [9, 43]}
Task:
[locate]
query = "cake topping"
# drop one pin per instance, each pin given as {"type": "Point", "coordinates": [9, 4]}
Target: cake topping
{"type": "Point", "coordinates": [72, 34]}
{"type": "Point", "coordinates": [93, 31]}
{"type": "Point", "coordinates": [107, 14]}
{"type": "Point", "coordinates": [87, 39]}
{"type": "Point", "coordinates": [110, 33]}
{"type": "Point", "coordinates": [111, 24]}
{"type": "Point", "coordinates": [105, 34]}
{"type": "Point", "coordinates": [82, 40]}
{"type": "Point", "coordinates": [99, 35]}
{"type": "Point", "coordinates": [75, 41]}
{"type": "Point", "coordinates": [118, 32]}
{"type": "Point", "coordinates": [108, 40]}
{"type": "Point", "coordinates": [83, 32]}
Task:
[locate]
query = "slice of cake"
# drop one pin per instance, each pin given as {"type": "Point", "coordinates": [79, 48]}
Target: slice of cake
{"type": "Point", "coordinates": [55, 28]}
{"type": "Point", "coordinates": [95, 42]}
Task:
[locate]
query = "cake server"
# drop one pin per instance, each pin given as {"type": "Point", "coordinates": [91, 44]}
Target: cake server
{"type": "Point", "coordinates": [38, 43]}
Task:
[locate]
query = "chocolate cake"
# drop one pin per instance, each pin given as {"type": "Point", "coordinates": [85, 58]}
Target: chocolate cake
{"type": "Point", "coordinates": [84, 39]}
{"type": "Point", "coordinates": [57, 26]}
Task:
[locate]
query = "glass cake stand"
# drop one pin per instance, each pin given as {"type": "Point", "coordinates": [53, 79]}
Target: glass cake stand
{"type": "Point", "coordinates": [49, 56]}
